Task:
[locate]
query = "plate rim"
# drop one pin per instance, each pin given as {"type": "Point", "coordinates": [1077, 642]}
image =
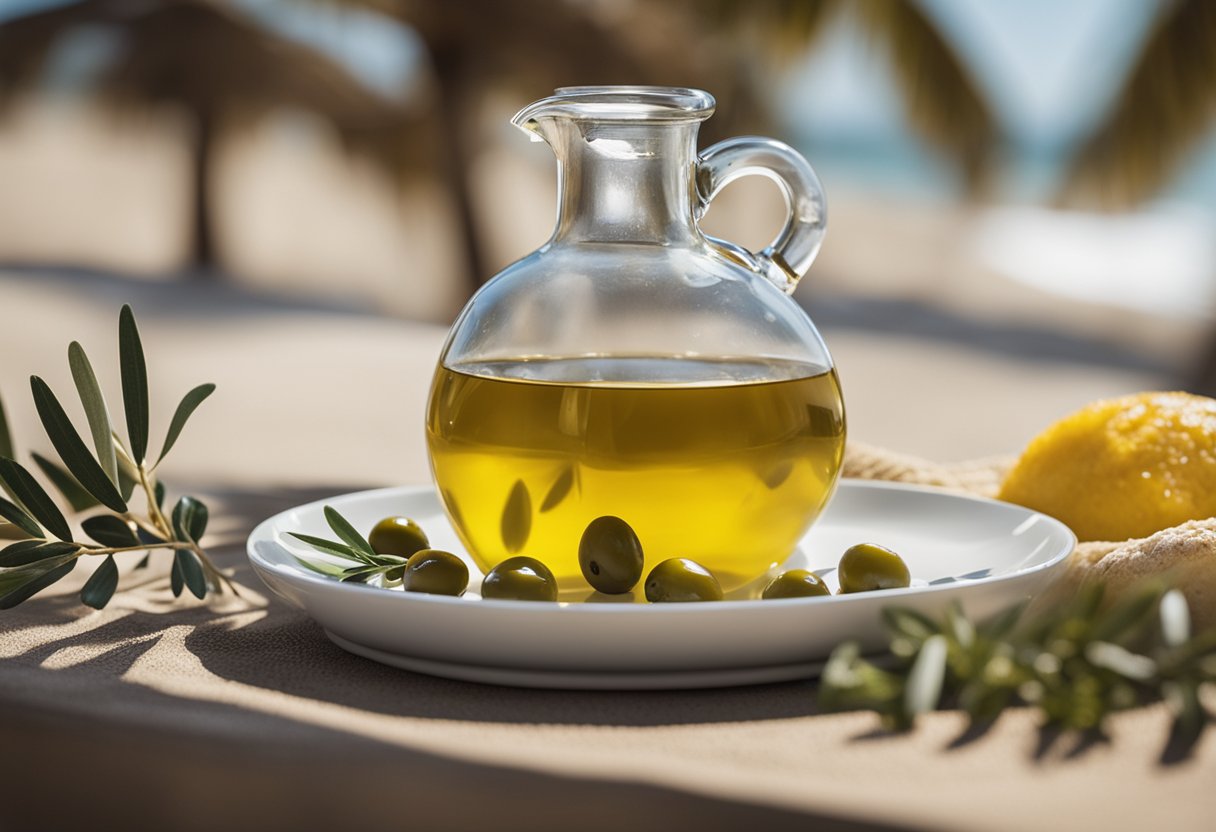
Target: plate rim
{"type": "Point", "coordinates": [263, 532]}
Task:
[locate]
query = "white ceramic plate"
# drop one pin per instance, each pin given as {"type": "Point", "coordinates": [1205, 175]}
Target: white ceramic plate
{"type": "Point", "coordinates": [983, 553]}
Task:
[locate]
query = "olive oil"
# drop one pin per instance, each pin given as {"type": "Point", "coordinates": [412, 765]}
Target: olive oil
{"type": "Point", "coordinates": [724, 462]}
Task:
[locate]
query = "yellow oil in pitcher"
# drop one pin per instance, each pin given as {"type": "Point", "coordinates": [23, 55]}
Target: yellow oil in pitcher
{"type": "Point", "coordinates": [728, 466]}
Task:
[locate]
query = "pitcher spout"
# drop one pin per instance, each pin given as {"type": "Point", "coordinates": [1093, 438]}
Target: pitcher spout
{"type": "Point", "coordinates": [613, 104]}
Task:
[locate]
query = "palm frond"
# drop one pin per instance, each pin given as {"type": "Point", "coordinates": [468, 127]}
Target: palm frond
{"type": "Point", "coordinates": [943, 103]}
{"type": "Point", "coordinates": [1167, 105]}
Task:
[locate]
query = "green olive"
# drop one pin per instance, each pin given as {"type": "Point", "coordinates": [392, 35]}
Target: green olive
{"type": "Point", "coordinates": [610, 555]}
{"type": "Point", "coordinates": [681, 579]}
{"type": "Point", "coordinates": [795, 583]}
{"type": "Point", "coordinates": [399, 536]}
{"type": "Point", "coordinates": [520, 579]}
{"type": "Point", "coordinates": [436, 572]}
{"type": "Point", "coordinates": [866, 566]}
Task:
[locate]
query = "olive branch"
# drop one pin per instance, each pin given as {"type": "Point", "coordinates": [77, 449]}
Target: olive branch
{"type": "Point", "coordinates": [1076, 664]}
{"type": "Point", "coordinates": [352, 547]}
{"type": "Point", "coordinates": [108, 477]}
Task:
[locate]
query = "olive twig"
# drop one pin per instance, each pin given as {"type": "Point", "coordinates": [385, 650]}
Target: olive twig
{"type": "Point", "coordinates": [1076, 664]}
{"type": "Point", "coordinates": [105, 475]}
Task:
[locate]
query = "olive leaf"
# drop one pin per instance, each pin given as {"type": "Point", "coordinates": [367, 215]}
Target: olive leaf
{"type": "Point", "coordinates": [927, 677]}
{"type": "Point", "coordinates": [184, 411]}
{"type": "Point", "coordinates": [100, 586]}
{"type": "Point", "coordinates": [176, 580]}
{"type": "Point", "coordinates": [1175, 618]}
{"type": "Point", "coordinates": [17, 586]}
{"type": "Point", "coordinates": [191, 572]}
{"type": "Point", "coordinates": [189, 519]}
{"type": "Point", "coordinates": [134, 371]}
{"type": "Point", "coordinates": [71, 448]}
{"type": "Point", "coordinates": [341, 550]}
{"type": "Point", "coordinates": [35, 499]}
{"type": "Point", "coordinates": [31, 551]}
{"type": "Point", "coordinates": [19, 518]}
{"type": "Point", "coordinates": [94, 408]}
{"type": "Point", "coordinates": [343, 529]}
{"type": "Point", "coordinates": [109, 530]}
{"type": "Point", "coordinates": [76, 495]}
{"type": "Point", "coordinates": [360, 574]}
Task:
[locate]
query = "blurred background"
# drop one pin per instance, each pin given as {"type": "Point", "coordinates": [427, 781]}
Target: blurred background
{"type": "Point", "coordinates": [299, 195]}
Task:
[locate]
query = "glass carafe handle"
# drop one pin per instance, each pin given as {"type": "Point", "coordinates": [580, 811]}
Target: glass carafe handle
{"type": "Point", "coordinates": [789, 256]}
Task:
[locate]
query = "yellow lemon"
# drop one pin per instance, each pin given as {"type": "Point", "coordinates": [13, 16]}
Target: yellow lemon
{"type": "Point", "coordinates": [1122, 468]}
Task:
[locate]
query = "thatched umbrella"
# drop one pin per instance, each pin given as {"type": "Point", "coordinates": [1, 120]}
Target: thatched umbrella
{"type": "Point", "coordinates": [206, 58]}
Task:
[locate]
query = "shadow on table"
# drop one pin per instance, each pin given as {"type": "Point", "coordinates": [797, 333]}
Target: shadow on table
{"type": "Point", "coordinates": [214, 765]}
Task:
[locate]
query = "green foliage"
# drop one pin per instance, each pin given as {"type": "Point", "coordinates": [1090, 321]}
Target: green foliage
{"type": "Point", "coordinates": [191, 571]}
{"type": "Point", "coordinates": [25, 552]}
{"type": "Point", "coordinates": [134, 383]}
{"type": "Point", "coordinates": [355, 548]}
{"type": "Point", "coordinates": [1076, 664]}
{"type": "Point", "coordinates": [109, 530]}
{"type": "Point", "coordinates": [185, 409]}
{"type": "Point", "coordinates": [94, 409]}
{"type": "Point", "coordinates": [189, 519]}
{"type": "Point", "coordinates": [108, 475]}
{"type": "Point", "coordinates": [343, 529]}
{"type": "Point", "coordinates": [17, 585]}
{"type": "Point", "coordinates": [99, 588]}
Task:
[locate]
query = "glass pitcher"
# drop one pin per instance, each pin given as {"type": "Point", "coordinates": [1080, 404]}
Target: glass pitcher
{"type": "Point", "coordinates": [632, 365]}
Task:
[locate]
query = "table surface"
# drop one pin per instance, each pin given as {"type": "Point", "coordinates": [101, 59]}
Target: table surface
{"type": "Point", "coordinates": [179, 714]}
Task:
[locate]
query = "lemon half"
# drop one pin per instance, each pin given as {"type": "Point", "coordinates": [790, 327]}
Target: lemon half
{"type": "Point", "coordinates": [1122, 468]}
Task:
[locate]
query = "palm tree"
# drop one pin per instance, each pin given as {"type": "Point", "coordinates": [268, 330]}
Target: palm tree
{"type": "Point", "coordinates": [208, 60]}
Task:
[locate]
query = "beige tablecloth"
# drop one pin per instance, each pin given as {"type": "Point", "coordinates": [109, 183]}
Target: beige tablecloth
{"type": "Point", "coordinates": [165, 714]}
